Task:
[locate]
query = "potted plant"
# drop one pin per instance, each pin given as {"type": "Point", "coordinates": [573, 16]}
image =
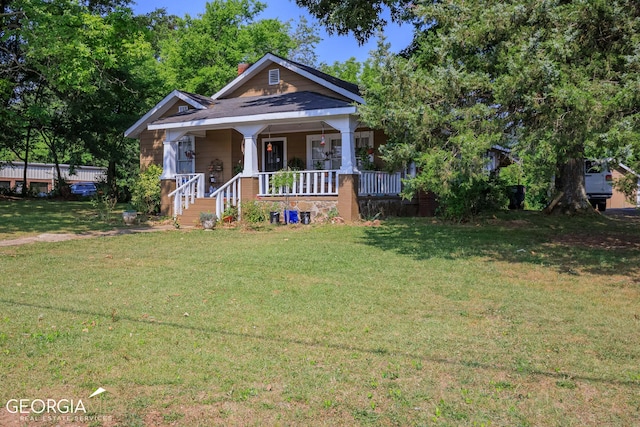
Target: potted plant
{"type": "Point", "coordinates": [129, 215]}
{"type": "Point", "coordinates": [282, 181]}
{"type": "Point", "coordinates": [230, 214]}
{"type": "Point", "coordinates": [208, 220]}
{"type": "Point", "coordinates": [296, 164]}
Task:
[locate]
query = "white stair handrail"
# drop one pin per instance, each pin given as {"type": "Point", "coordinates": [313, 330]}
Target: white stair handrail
{"type": "Point", "coordinates": [229, 194]}
{"type": "Point", "coordinates": [186, 193]}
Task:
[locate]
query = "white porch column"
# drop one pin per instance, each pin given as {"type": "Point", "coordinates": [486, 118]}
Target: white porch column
{"type": "Point", "coordinates": [250, 133]}
{"type": "Point", "coordinates": [169, 160]}
{"type": "Point", "coordinates": [169, 155]}
{"type": "Point", "coordinates": [347, 126]}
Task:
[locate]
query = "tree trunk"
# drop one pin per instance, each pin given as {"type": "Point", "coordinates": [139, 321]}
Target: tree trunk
{"type": "Point", "coordinates": [571, 183]}
{"type": "Point", "coordinates": [112, 184]}
{"type": "Point", "coordinates": [26, 163]}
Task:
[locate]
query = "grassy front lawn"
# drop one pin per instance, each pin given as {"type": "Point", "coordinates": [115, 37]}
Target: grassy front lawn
{"type": "Point", "coordinates": [23, 218]}
{"type": "Point", "coordinates": [517, 320]}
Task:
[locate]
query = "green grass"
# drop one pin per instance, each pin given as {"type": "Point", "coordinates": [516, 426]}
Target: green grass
{"type": "Point", "coordinates": [509, 321]}
{"type": "Point", "coordinates": [24, 218]}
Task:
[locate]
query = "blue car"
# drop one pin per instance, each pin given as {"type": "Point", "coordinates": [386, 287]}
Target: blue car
{"type": "Point", "coordinates": [84, 189]}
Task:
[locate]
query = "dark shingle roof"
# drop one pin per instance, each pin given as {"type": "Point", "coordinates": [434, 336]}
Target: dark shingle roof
{"type": "Point", "coordinates": [254, 105]}
{"type": "Point", "coordinates": [200, 99]}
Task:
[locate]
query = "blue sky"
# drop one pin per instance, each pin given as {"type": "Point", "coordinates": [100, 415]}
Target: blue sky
{"type": "Point", "coordinates": [329, 50]}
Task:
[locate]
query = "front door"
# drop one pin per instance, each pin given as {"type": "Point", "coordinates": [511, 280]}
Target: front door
{"type": "Point", "coordinates": [273, 155]}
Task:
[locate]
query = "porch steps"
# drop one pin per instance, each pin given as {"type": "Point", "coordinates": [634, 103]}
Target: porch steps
{"type": "Point", "coordinates": [191, 217]}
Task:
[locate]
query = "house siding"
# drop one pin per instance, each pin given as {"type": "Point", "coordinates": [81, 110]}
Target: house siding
{"type": "Point", "coordinates": [216, 145]}
{"type": "Point", "coordinates": [151, 148]}
{"type": "Point", "coordinates": [618, 199]}
{"type": "Point", "coordinates": [152, 141]}
{"type": "Point", "coordinates": [290, 82]}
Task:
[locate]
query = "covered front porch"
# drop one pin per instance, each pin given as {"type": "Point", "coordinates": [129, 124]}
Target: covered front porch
{"type": "Point", "coordinates": [232, 150]}
{"type": "Point", "coordinates": [309, 188]}
{"type": "Point", "coordinates": [328, 158]}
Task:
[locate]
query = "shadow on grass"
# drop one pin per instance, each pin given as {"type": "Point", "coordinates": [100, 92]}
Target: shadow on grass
{"type": "Point", "coordinates": [341, 347]}
{"type": "Point", "coordinates": [596, 245]}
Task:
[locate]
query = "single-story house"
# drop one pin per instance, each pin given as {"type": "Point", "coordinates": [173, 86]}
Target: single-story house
{"type": "Point", "coordinates": [221, 150]}
{"type": "Point", "coordinates": [41, 176]}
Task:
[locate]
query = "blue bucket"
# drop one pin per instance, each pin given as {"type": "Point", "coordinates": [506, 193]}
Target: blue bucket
{"type": "Point", "coordinates": [291, 217]}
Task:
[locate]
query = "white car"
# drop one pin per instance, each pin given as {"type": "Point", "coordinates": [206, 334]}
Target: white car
{"type": "Point", "coordinates": [598, 183]}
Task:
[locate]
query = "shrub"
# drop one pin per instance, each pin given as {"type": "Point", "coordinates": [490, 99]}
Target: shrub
{"type": "Point", "coordinates": [254, 212]}
{"type": "Point", "coordinates": [146, 192]}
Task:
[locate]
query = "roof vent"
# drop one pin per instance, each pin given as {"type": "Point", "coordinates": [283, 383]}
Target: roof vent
{"type": "Point", "coordinates": [183, 109]}
{"type": "Point", "coordinates": [274, 76]}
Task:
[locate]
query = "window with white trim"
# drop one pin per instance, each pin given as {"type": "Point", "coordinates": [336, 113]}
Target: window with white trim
{"type": "Point", "coordinates": [324, 151]}
{"type": "Point", "coordinates": [186, 157]}
{"type": "Point", "coordinates": [183, 108]}
{"type": "Point", "coordinates": [274, 76]}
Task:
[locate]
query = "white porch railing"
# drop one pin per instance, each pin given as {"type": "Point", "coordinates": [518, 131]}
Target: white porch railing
{"type": "Point", "coordinates": [307, 183]}
{"type": "Point", "coordinates": [375, 183]}
{"type": "Point", "coordinates": [228, 195]}
{"type": "Point", "coordinates": [188, 188]}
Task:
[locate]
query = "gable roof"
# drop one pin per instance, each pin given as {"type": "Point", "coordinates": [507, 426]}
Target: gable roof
{"type": "Point", "coordinates": [344, 88]}
{"type": "Point", "coordinates": [255, 108]}
{"type": "Point", "coordinates": [198, 102]}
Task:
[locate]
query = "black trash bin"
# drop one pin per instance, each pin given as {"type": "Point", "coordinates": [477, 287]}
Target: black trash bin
{"type": "Point", "coordinates": [305, 217]}
{"type": "Point", "coordinates": [274, 217]}
{"type": "Point", "coordinates": [516, 197]}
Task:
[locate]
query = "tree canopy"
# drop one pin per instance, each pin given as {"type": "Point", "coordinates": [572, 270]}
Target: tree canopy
{"type": "Point", "coordinates": [74, 75]}
{"type": "Point", "coordinates": [554, 80]}
{"type": "Point", "coordinates": [202, 54]}
{"type": "Point", "coordinates": [362, 18]}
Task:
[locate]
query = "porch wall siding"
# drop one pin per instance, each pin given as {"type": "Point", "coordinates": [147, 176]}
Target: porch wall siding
{"type": "Point", "coordinates": [290, 82]}
{"type": "Point", "coordinates": [236, 150]}
{"type": "Point", "coordinates": [151, 141]}
{"type": "Point", "coordinates": [296, 146]}
{"type": "Point", "coordinates": [151, 148]}
{"type": "Point", "coordinates": [216, 145]}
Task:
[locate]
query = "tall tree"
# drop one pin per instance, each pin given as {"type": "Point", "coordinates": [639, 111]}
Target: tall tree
{"type": "Point", "coordinates": [362, 18]}
{"type": "Point", "coordinates": [559, 80]}
{"type": "Point", "coordinates": [305, 38]}
{"type": "Point", "coordinates": [90, 59]}
{"type": "Point", "coordinates": [202, 54]}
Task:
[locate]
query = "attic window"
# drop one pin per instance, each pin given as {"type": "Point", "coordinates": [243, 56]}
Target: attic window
{"type": "Point", "coordinates": [274, 76]}
{"type": "Point", "coordinates": [183, 108]}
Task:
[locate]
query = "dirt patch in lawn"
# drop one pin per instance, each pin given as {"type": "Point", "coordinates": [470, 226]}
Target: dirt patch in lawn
{"type": "Point", "coordinates": [61, 237]}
